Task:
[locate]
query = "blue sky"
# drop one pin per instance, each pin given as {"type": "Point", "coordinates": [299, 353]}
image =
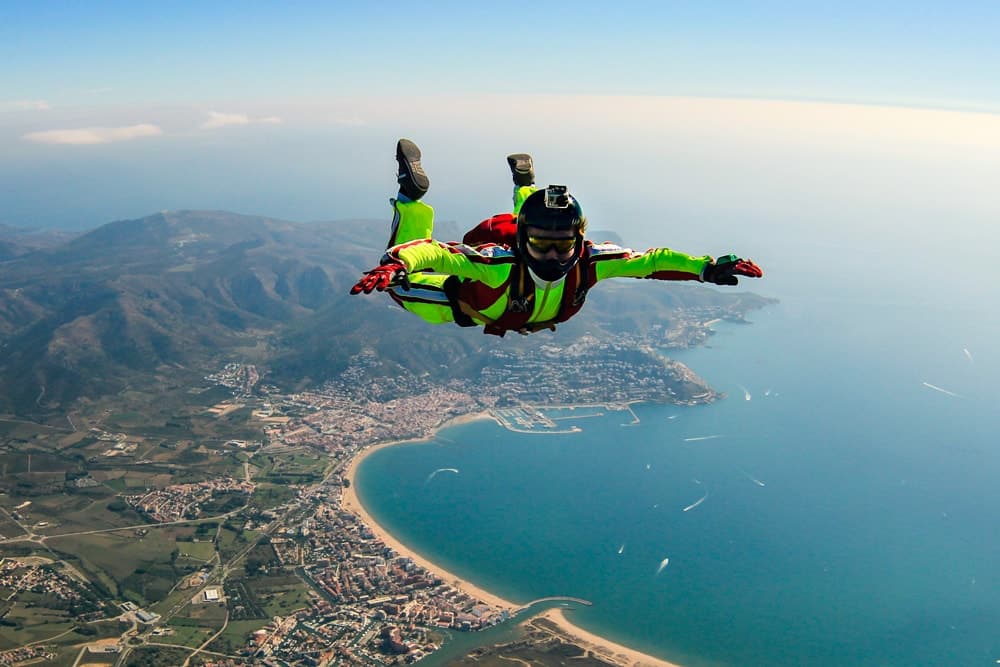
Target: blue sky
{"type": "Point", "coordinates": [897, 52]}
{"type": "Point", "coordinates": [116, 110]}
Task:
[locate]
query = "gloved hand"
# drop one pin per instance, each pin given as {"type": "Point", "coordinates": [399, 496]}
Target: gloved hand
{"type": "Point", "coordinates": [382, 277]}
{"type": "Point", "coordinates": [724, 270]}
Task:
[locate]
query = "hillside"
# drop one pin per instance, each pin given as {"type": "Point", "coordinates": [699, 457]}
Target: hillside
{"type": "Point", "coordinates": [146, 301]}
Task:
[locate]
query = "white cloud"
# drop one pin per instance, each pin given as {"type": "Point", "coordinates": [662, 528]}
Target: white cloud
{"type": "Point", "coordinates": [217, 119]}
{"type": "Point", "coordinates": [94, 135]}
{"type": "Point", "coordinates": [24, 105]}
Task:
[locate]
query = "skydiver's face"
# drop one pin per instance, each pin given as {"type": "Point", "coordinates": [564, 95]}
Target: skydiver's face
{"type": "Point", "coordinates": [545, 244]}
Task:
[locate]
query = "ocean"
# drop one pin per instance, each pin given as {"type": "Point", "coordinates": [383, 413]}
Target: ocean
{"type": "Point", "coordinates": [839, 507]}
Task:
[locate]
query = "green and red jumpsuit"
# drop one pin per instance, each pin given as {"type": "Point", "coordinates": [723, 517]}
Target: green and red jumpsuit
{"type": "Point", "coordinates": [488, 285]}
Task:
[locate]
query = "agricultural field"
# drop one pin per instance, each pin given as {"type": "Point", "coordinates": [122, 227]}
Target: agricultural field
{"type": "Point", "coordinates": [186, 632]}
{"type": "Point", "coordinates": [280, 595]}
{"type": "Point", "coordinates": [156, 656]}
{"type": "Point", "coordinates": [200, 552]}
{"type": "Point", "coordinates": [65, 486]}
{"type": "Point", "coordinates": [300, 468]}
{"type": "Point", "coordinates": [236, 635]}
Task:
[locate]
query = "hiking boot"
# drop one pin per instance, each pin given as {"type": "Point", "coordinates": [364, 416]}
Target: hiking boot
{"type": "Point", "coordinates": [521, 169]}
{"type": "Point", "coordinates": [412, 179]}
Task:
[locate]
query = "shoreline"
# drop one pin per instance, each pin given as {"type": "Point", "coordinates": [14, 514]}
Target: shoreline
{"type": "Point", "coordinates": [617, 653]}
{"type": "Point", "coordinates": [350, 502]}
{"type": "Point", "coordinates": [607, 649]}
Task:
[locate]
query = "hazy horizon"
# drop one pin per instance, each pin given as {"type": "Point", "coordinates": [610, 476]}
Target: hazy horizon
{"type": "Point", "coordinates": [649, 111]}
{"type": "Point", "coordinates": [691, 157]}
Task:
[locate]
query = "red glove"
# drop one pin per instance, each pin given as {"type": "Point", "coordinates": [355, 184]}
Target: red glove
{"type": "Point", "coordinates": [725, 269]}
{"type": "Point", "coordinates": [381, 278]}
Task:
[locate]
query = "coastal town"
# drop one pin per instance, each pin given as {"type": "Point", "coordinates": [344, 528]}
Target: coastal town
{"type": "Point", "coordinates": [369, 604]}
{"type": "Point", "coordinates": [365, 601]}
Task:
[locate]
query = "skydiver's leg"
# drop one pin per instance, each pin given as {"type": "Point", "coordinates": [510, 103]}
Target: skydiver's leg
{"type": "Point", "coordinates": [522, 170]}
{"type": "Point", "coordinates": [522, 192]}
{"type": "Point", "coordinates": [426, 298]}
{"type": "Point", "coordinates": [412, 219]}
{"type": "Point", "coordinates": [500, 229]}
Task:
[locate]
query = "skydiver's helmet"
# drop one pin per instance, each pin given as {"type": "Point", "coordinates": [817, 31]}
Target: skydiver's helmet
{"type": "Point", "coordinates": [555, 210]}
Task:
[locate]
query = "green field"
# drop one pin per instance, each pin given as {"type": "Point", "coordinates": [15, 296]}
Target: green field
{"type": "Point", "coordinates": [236, 635]}
{"type": "Point", "coordinates": [33, 624]}
{"type": "Point", "coordinates": [117, 484]}
{"type": "Point", "coordinates": [192, 636]}
{"type": "Point", "coordinates": [34, 460]}
{"type": "Point", "coordinates": [298, 468]}
{"type": "Point", "coordinates": [177, 441]}
{"type": "Point", "coordinates": [279, 596]}
{"type": "Point", "coordinates": [143, 568]}
{"type": "Point", "coordinates": [208, 613]}
{"type": "Point", "coordinates": [267, 496]}
{"type": "Point", "coordinates": [81, 510]}
{"type": "Point", "coordinates": [14, 429]}
{"type": "Point", "coordinates": [198, 622]}
{"type": "Point", "coordinates": [9, 528]}
{"type": "Point", "coordinates": [156, 656]}
{"type": "Point", "coordinates": [201, 552]}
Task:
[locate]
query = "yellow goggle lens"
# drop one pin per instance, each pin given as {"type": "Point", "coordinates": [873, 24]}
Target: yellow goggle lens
{"type": "Point", "coordinates": [543, 244]}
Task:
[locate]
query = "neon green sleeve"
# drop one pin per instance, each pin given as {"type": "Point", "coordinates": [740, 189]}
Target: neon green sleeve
{"type": "Point", "coordinates": [431, 255]}
{"type": "Point", "coordinates": [656, 263]}
{"type": "Point", "coordinates": [521, 193]}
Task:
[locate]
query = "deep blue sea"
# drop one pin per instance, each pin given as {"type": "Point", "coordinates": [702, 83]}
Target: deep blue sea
{"type": "Point", "coordinates": [849, 492]}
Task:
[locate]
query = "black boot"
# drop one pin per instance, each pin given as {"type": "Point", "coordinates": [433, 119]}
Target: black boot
{"type": "Point", "coordinates": [413, 182]}
{"type": "Point", "coordinates": [521, 169]}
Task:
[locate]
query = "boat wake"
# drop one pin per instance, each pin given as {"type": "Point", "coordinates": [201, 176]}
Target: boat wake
{"type": "Point", "coordinates": [943, 391]}
{"type": "Point", "coordinates": [434, 474]}
{"type": "Point", "coordinates": [703, 437]}
{"type": "Point", "coordinates": [696, 503]}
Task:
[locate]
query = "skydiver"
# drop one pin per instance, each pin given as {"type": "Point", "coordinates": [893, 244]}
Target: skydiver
{"type": "Point", "coordinates": [538, 275]}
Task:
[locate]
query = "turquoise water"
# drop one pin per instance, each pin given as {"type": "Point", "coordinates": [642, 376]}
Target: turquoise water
{"type": "Point", "coordinates": [851, 515]}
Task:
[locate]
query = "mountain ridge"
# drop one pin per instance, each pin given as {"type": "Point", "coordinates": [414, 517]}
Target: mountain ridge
{"type": "Point", "coordinates": [134, 301]}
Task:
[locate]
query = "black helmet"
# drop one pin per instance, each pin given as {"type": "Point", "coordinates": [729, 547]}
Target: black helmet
{"type": "Point", "coordinates": [552, 209]}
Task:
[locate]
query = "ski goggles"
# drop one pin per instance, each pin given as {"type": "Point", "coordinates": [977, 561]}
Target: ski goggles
{"type": "Point", "coordinates": [542, 244]}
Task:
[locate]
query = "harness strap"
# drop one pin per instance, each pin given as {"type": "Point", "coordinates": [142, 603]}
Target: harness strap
{"type": "Point", "coordinates": [472, 313]}
{"type": "Point", "coordinates": [461, 317]}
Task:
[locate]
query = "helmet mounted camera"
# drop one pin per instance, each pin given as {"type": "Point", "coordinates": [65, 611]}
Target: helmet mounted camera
{"type": "Point", "coordinates": [552, 209]}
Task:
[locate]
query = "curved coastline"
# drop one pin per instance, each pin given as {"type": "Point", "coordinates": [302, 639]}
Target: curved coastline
{"type": "Point", "coordinates": [613, 652]}
{"type": "Point", "coordinates": [351, 502]}
{"type": "Point", "coordinates": [617, 654]}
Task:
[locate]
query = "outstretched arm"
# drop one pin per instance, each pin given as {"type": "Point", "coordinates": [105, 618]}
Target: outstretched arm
{"type": "Point", "coordinates": [490, 267]}
{"type": "Point", "coordinates": [611, 261]}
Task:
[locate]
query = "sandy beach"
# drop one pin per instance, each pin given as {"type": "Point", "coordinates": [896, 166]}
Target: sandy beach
{"type": "Point", "coordinates": [351, 503]}
{"type": "Point", "coordinates": [606, 649]}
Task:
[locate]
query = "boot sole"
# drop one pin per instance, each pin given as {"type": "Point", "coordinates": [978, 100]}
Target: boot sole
{"type": "Point", "coordinates": [409, 154]}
